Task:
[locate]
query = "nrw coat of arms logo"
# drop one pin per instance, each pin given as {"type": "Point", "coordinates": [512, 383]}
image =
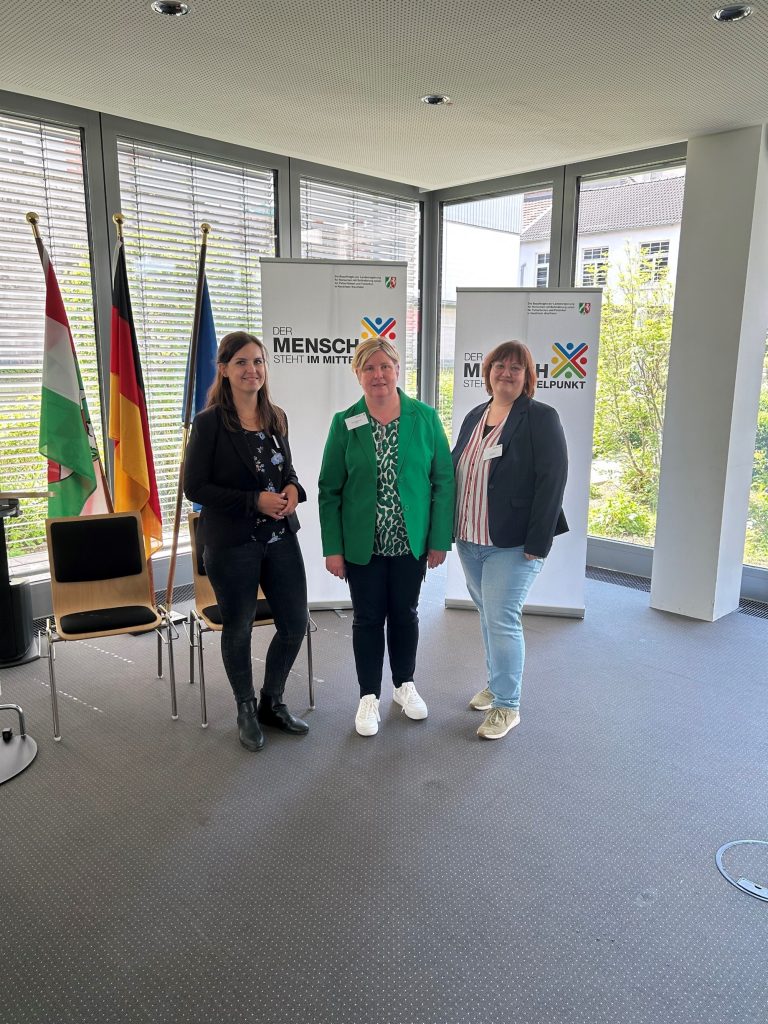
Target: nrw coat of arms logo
{"type": "Point", "coordinates": [584, 308]}
{"type": "Point", "coordinates": [390, 282]}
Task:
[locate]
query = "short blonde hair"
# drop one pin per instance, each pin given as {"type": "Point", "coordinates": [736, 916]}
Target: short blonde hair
{"type": "Point", "coordinates": [366, 349]}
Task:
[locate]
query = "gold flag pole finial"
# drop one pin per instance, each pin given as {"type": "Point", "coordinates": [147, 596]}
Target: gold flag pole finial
{"type": "Point", "coordinates": [33, 219]}
{"type": "Point", "coordinates": [119, 220]}
{"type": "Point", "coordinates": [205, 227]}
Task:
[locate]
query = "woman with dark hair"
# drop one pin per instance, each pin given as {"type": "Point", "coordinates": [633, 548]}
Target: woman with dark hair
{"type": "Point", "coordinates": [511, 465]}
{"type": "Point", "coordinates": [238, 468]}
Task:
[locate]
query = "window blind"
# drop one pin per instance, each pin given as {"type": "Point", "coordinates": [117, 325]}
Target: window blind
{"type": "Point", "coordinates": [349, 224]}
{"type": "Point", "coordinates": [41, 169]}
{"type": "Point", "coordinates": [165, 196]}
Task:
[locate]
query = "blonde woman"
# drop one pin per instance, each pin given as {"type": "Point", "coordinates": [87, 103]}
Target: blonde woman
{"type": "Point", "coordinates": [386, 514]}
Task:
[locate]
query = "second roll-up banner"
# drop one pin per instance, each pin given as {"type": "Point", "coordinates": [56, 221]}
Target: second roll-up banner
{"type": "Point", "coordinates": [314, 314]}
{"type": "Point", "coordinates": [562, 330]}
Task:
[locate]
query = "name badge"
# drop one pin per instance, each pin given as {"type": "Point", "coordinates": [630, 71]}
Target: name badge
{"type": "Point", "coordinates": [493, 452]}
{"type": "Point", "coordinates": [353, 422]}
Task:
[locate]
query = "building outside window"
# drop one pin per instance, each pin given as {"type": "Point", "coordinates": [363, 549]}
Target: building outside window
{"type": "Point", "coordinates": [654, 259]}
{"type": "Point", "coordinates": [490, 243]}
{"type": "Point", "coordinates": [628, 233]}
{"type": "Point", "coordinates": [542, 269]}
{"type": "Point", "coordinates": [594, 266]}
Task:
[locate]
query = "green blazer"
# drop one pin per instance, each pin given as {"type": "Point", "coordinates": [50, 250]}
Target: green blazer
{"type": "Point", "coordinates": [348, 483]}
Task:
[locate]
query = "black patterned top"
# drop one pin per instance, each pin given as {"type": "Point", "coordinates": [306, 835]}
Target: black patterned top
{"type": "Point", "coordinates": [391, 536]}
{"type": "Point", "coordinates": [268, 462]}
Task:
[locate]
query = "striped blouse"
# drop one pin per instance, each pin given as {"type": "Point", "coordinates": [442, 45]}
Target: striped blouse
{"type": "Point", "coordinates": [471, 522]}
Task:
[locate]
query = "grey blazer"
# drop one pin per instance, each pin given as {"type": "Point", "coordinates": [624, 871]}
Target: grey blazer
{"type": "Point", "coordinates": [526, 482]}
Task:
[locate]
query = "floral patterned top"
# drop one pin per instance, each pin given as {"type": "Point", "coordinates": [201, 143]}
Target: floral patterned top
{"type": "Point", "coordinates": [391, 536]}
{"type": "Point", "coordinates": [268, 462]}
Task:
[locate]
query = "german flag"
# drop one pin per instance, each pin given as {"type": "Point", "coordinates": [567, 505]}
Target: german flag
{"type": "Point", "coordinates": [135, 486]}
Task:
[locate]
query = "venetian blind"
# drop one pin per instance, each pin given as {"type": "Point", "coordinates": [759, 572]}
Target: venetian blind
{"type": "Point", "coordinates": [165, 196]}
{"type": "Point", "coordinates": [349, 224]}
{"type": "Point", "coordinates": [41, 169]}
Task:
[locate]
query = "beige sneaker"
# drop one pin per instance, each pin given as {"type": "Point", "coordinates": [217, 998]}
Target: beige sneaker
{"type": "Point", "coordinates": [498, 722]}
{"type": "Point", "coordinates": [482, 701]}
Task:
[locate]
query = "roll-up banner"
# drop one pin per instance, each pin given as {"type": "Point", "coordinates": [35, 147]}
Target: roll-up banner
{"type": "Point", "coordinates": [562, 330]}
{"type": "Point", "coordinates": [314, 314]}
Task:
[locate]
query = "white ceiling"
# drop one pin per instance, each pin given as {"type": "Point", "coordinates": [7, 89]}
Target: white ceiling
{"type": "Point", "coordinates": [534, 84]}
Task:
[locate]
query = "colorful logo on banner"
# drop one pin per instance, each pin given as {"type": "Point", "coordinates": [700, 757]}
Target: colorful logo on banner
{"type": "Point", "coordinates": [378, 327]}
{"type": "Point", "coordinates": [390, 282]}
{"type": "Point", "coordinates": [569, 360]}
{"type": "Point", "coordinates": [584, 308]}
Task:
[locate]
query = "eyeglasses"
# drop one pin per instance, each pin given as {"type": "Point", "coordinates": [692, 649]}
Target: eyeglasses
{"type": "Point", "coordinates": [509, 367]}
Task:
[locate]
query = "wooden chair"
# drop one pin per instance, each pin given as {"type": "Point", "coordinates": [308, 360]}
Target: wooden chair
{"type": "Point", "coordinates": [101, 586]}
{"type": "Point", "coordinates": [206, 616]}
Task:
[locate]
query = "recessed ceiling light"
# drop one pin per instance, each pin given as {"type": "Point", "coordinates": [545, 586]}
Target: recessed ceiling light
{"type": "Point", "coordinates": [173, 7]}
{"type": "Point", "coordinates": [437, 100]}
{"type": "Point", "coordinates": [731, 13]}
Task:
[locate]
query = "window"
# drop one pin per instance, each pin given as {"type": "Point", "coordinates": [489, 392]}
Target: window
{"type": "Point", "coordinates": [340, 223]}
{"type": "Point", "coordinates": [635, 218]}
{"type": "Point", "coordinates": [41, 169]}
{"type": "Point", "coordinates": [165, 196]}
{"type": "Point", "coordinates": [542, 269]}
{"type": "Point", "coordinates": [492, 243]}
{"type": "Point", "coordinates": [654, 260]}
{"type": "Point", "coordinates": [756, 546]}
{"type": "Point", "coordinates": [594, 266]}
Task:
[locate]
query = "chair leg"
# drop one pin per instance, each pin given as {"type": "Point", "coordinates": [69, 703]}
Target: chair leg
{"type": "Point", "coordinates": [201, 666]}
{"type": "Point", "coordinates": [309, 664]}
{"type": "Point", "coordinates": [159, 655]}
{"type": "Point", "coordinates": [191, 636]}
{"type": "Point", "coordinates": [52, 681]}
{"type": "Point", "coordinates": [171, 669]}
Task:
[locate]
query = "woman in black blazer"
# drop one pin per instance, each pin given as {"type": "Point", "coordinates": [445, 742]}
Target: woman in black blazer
{"type": "Point", "coordinates": [511, 465]}
{"type": "Point", "coordinates": [238, 467]}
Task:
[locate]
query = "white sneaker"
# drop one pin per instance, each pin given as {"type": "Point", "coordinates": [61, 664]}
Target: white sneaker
{"type": "Point", "coordinates": [407, 696]}
{"type": "Point", "coordinates": [367, 718]}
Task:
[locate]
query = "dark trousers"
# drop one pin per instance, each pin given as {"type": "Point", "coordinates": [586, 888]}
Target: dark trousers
{"type": "Point", "coordinates": [385, 590]}
{"type": "Point", "coordinates": [235, 574]}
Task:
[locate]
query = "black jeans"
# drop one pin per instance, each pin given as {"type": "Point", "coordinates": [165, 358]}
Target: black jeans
{"type": "Point", "coordinates": [235, 574]}
{"type": "Point", "coordinates": [386, 589]}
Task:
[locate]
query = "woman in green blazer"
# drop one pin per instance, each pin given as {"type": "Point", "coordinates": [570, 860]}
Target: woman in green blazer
{"type": "Point", "coordinates": [386, 514]}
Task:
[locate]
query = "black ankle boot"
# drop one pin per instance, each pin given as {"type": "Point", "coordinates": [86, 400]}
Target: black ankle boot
{"type": "Point", "coordinates": [273, 712]}
{"type": "Point", "coordinates": [251, 736]}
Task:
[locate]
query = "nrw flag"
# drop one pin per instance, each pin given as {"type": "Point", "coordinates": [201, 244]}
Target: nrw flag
{"type": "Point", "coordinates": [75, 479]}
{"type": "Point", "coordinates": [205, 363]}
{"type": "Point", "coordinates": [135, 484]}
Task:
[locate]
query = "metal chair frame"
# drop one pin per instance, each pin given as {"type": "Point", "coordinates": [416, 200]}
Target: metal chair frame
{"type": "Point", "coordinates": [198, 623]}
{"type": "Point", "coordinates": [89, 596]}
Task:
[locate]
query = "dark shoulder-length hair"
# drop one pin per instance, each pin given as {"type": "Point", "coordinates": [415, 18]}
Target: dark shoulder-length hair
{"type": "Point", "coordinates": [273, 420]}
{"type": "Point", "coordinates": [511, 350]}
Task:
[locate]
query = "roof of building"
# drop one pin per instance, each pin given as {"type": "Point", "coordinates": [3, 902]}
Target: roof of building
{"type": "Point", "coordinates": [619, 207]}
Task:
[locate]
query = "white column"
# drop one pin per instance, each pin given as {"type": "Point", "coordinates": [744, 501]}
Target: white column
{"type": "Point", "coordinates": [716, 358]}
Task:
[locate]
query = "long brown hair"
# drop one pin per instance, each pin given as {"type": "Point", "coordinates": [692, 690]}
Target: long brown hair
{"type": "Point", "coordinates": [272, 417]}
{"type": "Point", "coordinates": [511, 350]}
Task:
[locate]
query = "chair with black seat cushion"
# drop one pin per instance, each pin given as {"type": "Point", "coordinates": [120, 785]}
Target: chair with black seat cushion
{"type": "Point", "coordinates": [101, 586]}
{"type": "Point", "coordinates": [206, 616]}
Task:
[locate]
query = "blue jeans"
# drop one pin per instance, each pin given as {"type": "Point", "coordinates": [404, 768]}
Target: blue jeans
{"type": "Point", "coordinates": [498, 580]}
{"type": "Point", "coordinates": [235, 574]}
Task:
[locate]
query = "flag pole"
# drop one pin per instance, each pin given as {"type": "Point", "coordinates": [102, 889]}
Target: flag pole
{"type": "Point", "coordinates": [190, 397]}
{"type": "Point", "coordinates": [33, 220]}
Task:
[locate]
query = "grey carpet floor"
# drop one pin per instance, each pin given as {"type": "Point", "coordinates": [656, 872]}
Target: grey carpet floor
{"type": "Point", "coordinates": [156, 872]}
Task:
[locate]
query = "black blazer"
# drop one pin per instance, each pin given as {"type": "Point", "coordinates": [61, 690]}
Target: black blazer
{"type": "Point", "coordinates": [526, 482]}
{"type": "Point", "coordinates": [219, 475]}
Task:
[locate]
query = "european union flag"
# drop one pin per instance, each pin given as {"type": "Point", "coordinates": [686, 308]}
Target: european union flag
{"type": "Point", "coordinates": [205, 367]}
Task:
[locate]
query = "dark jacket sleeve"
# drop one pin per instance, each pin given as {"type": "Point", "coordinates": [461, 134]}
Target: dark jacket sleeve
{"type": "Point", "coordinates": [550, 469]}
{"type": "Point", "coordinates": [198, 473]}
